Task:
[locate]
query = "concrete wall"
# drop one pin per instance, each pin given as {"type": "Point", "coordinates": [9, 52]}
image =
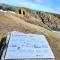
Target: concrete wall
{"type": "Point", "coordinates": [21, 11]}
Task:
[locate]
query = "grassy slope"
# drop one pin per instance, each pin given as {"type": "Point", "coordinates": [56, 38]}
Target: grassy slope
{"type": "Point", "coordinates": [56, 15]}
{"type": "Point", "coordinates": [18, 24]}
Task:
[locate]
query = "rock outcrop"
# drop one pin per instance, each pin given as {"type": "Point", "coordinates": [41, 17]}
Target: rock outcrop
{"type": "Point", "coordinates": [50, 20]}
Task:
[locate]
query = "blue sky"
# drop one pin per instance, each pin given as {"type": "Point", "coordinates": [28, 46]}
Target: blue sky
{"type": "Point", "coordinates": [42, 5]}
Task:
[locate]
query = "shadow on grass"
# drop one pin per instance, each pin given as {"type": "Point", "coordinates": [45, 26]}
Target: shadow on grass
{"type": "Point", "coordinates": [2, 46]}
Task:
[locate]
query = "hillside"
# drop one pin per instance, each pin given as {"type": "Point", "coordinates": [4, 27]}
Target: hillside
{"type": "Point", "coordinates": [50, 20]}
{"type": "Point", "coordinates": [31, 22]}
{"type": "Point", "coordinates": [7, 7]}
{"type": "Point", "coordinates": [47, 20]}
{"type": "Point", "coordinates": [19, 24]}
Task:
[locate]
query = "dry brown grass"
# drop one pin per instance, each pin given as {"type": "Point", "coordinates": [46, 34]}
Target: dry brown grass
{"type": "Point", "coordinates": [10, 22]}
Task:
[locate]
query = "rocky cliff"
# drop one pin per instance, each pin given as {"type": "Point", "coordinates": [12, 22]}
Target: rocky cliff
{"type": "Point", "coordinates": [43, 19]}
{"type": "Point", "coordinates": [50, 20]}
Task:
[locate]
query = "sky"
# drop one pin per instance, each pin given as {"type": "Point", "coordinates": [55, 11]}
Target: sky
{"type": "Point", "coordinates": [52, 6]}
